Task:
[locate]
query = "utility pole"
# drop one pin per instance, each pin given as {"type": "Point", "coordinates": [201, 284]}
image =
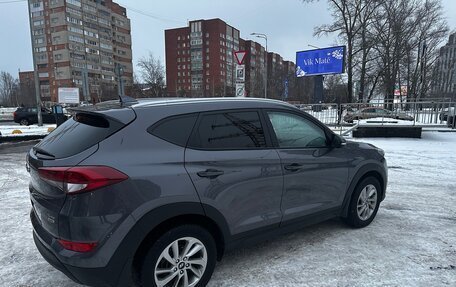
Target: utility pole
{"type": "Point", "coordinates": [35, 70]}
{"type": "Point", "coordinates": [85, 85]}
{"type": "Point", "coordinates": [120, 84]}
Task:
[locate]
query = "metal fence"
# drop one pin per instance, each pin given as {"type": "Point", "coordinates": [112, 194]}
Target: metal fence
{"type": "Point", "coordinates": [426, 114]}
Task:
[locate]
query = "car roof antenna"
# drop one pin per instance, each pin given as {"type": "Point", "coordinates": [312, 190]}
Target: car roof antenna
{"type": "Point", "coordinates": [120, 86]}
{"type": "Point", "coordinates": [126, 99]}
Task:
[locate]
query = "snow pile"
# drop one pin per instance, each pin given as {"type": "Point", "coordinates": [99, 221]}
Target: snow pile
{"type": "Point", "coordinates": [32, 130]}
{"type": "Point", "coordinates": [384, 122]}
{"type": "Point", "coordinates": [412, 242]}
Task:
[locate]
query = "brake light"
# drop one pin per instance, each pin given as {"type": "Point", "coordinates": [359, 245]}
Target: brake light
{"type": "Point", "coordinates": [77, 246]}
{"type": "Point", "coordinates": [81, 178]}
{"type": "Point", "coordinates": [14, 114]}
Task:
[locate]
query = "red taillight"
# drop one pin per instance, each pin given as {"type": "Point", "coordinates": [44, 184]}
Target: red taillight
{"type": "Point", "coordinates": [14, 115]}
{"type": "Point", "coordinates": [81, 178]}
{"type": "Point", "coordinates": [77, 246]}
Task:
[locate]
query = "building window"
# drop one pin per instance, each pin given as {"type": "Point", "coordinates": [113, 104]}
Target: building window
{"type": "Point", "coordinates": [38, 32]}
{"type": "Point", "coordinates": [75, 30]}
{"type": "Point", "coordinates": [40, 49]}
{"type": "Point", "coordinates": [75, 39]}
{"type": "Point", "coordinates": [74, 20]}
{"type": "Point", "coordinates": [74, 2]}
{"type": "Point", "coordinates": [38, 22]}
{"type": "Point", "coordinates": [207, 35]}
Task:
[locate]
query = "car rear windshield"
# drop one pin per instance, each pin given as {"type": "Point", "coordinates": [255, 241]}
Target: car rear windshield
{"type": "Point", "coordinates": [76, 135]}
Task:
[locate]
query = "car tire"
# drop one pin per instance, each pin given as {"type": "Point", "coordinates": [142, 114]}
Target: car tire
{"type": "Point", "coordinates": [157, 268]}
{"type": "Point", "coordinates": [24, 122]}
{"type": "Point", "coordinates": [364, 203]}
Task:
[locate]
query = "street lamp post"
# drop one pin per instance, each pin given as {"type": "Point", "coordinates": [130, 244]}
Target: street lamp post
{"type": "Point", "coordinates": [263, 36]}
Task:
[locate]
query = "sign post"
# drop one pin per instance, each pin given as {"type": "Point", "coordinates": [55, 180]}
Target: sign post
{"type": "Point", "coordinates": [240, 73]}
{"type": "Point", "coordinates": [68, 95]}
{"type": "Point", "coordinates": [320, 62]}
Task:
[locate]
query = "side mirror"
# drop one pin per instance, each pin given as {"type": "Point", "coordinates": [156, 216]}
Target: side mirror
{"type": "Point", "coordinates": [337, 141]}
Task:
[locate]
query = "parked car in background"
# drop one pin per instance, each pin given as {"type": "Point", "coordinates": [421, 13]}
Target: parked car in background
{"type": "Point", "coordinates": [29, 116]}
{"type": "Point", "coordinates": [154, 192]}
{"type": "Point", "coordinates": [449, 115]}
{"type": "Point", "coordinates": [450, 111]}
{"type": "Point", "coordinates": [369, 113]}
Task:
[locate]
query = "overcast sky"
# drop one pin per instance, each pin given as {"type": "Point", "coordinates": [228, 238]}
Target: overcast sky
{"type": "Point", "coordinates": [289, 25]}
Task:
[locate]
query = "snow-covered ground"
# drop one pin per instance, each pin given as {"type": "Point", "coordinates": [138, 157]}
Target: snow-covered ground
{"type": "Point", "coordinates": [412, 242]}
{"type": "Point", "coordinates": [19, 131]}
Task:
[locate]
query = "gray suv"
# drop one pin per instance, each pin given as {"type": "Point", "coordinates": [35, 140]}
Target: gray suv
{"type": "Point", "coordinates": [153, 192]}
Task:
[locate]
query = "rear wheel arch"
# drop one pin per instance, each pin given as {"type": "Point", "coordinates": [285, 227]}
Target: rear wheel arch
{"type": "Point", "coordinates": [153, 232]}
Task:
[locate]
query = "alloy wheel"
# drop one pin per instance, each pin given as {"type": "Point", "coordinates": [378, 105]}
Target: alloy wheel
{"type": "Point", "coordinates": [367, 202]}
{"type": "Point", "coordinates": [181, 264]}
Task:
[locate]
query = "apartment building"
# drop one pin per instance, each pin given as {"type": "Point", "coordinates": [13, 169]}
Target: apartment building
{"type": "Point", "coordinates": [254, 68]}
{"type": "Point", "coordinates": [81, 41]}
{"type": "Point", "coordinates": [445, 84]}
{"type": "Point", "coordinates": [199, 59]}
{"type": "Point", "coordinates": [200, 62]}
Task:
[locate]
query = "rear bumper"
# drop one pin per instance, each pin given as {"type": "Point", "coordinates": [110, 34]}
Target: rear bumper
{"type": "Point", "coordinates": [114, 274]}
{"type": "Point", "coordinates": [51, 259]}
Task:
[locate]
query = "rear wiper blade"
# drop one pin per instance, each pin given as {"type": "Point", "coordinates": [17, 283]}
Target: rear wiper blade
{"type": "Point", "coordinates": [41, 153]}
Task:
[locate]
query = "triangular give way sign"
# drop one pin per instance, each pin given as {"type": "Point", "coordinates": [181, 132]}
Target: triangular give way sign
{"type": "Point", "coordinates": [240, 56]}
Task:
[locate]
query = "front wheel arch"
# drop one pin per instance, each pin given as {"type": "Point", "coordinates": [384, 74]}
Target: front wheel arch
{"type": "Point", "coordinates": [364, 172]}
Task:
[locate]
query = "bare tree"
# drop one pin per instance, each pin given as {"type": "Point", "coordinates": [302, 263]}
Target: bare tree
{"type": "Point", "coordinates": [389, 42]}
{"type": "Point", "coordinates": [9, 89]}
{"type": "Point", "coordinates": [346, 14]}
{"type": "Point", "coordinates": [153, 74]}
{"type": "Point", "coordinates": [409, 33]}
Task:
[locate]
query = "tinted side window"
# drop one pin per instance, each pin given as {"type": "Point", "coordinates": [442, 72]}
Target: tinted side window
{"type": "Point", "coordinates": [229, 130]}
{"type": "Point", "coordinates": [175, 130]}
{"type": "Point", "coordinates": [293, 131]}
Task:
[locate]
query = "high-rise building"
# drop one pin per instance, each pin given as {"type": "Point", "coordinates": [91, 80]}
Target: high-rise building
{"type": "Point", "coordinates": [199, 59]}
{"type": "Point", "coordinates": [254, 69]}
{"type": "Point", "coordinates": [445, 84]}
{"type": "Point", "coordinates": [80, 43]}
{"type": "Point", "coordinates": [200, 62]}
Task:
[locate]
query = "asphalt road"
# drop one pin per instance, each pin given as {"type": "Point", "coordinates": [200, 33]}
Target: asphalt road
{"type": "Point", "coordinates": [8, 123]}
{"type": "Point", "coordinates": [17, 148]}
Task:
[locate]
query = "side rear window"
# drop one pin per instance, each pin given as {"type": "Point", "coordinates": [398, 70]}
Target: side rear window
{"type": "Point", "coordinates": [229, 130]}
{"type": "Point", "coordinates": [77, 134]}
{"type": "Point", "coordinates": [175, 130]}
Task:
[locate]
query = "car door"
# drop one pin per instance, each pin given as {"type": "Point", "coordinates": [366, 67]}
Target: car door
{"type": "Point", "coordinates": [315, 174]}
{"type": "Point", "coordinates": [48, 116]}
{"type": "Point", "coordinates": [235, 170]}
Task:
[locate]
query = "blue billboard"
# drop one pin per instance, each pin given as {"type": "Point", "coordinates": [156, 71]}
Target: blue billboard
{"type": "Point", "coordinates": [320, 61]}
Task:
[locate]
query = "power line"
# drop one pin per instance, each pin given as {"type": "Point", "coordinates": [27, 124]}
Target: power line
{"type": "Point", "coordinates": [147, 14]}
{"type": "Point", "coordinates": [150, 15]}
{"type": "Point", "coordinates": [12, 1]}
